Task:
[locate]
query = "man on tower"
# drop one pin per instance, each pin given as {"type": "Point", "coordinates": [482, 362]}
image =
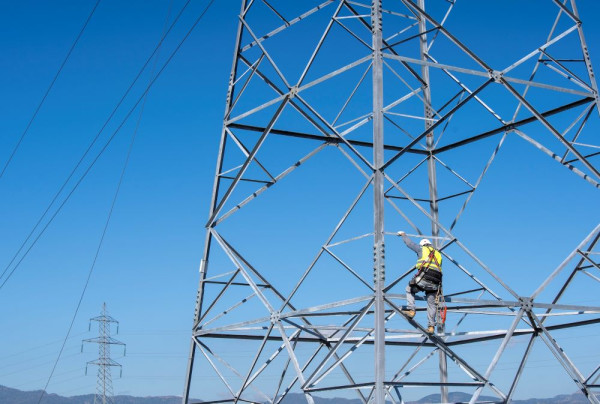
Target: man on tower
{"type": "Point", "coordinates": [428, 278]}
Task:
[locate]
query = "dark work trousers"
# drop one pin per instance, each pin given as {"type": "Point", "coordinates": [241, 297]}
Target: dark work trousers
{"type": "Point", "coordinates": [430, 290]}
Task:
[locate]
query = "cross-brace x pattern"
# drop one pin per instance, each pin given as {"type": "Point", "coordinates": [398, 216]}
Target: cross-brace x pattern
{"type": "Point", "coordinates": [329, 79]}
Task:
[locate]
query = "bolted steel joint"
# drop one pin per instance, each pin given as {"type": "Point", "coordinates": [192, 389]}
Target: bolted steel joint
{"type": "Point", "coordinates": [496, 75]}
{"type": "Point", "coordinates": [275, 317]}
{"type": "Point", "coordinates": [379, 262]}
{"type": "Point", "coordinates": [376, 17]}
{"type": "Point", "coordinates": [526, 303]}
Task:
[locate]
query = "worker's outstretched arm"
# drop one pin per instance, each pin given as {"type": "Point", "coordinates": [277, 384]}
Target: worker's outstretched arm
{"type": "Point", "coordinates": [413, 246]}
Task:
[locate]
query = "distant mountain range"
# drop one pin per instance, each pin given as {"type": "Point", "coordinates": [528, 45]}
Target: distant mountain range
{"type": "Point", "coordinates": [14, 396]}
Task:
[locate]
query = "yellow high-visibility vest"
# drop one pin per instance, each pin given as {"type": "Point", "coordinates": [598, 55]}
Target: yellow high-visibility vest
{"type": "Point", "coordinates": [434, 262]}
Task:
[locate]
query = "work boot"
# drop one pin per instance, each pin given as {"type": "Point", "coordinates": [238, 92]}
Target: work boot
{"type": "Point", "coordinates": [430, 329]}
{"type": "Point", "coordinates": [408, 313]}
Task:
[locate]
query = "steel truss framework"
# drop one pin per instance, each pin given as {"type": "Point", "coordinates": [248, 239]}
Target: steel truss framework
{"type": "Point", "coordinates": [104, 389]}
{"type": "Point", "coordinates": [312, 77]}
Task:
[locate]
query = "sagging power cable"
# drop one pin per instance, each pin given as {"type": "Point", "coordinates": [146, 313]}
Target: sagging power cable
{"type": "Point", "coordinates": [110, 212]}
{"type": "Point", "coordinates": [128, 115]}
{"type": "Point", "coordinates": [93, 142]}
{"type": "Point", "coordinates": [62, 65]}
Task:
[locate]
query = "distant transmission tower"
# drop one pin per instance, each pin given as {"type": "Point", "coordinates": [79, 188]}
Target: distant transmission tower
{"type": "Point", "coordinates": [104, 389]}
{"type": "Point", "coordinates": [303, 279]}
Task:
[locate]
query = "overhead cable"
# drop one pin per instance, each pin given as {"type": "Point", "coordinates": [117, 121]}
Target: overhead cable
{"type": "Point", "coordinates": [110, 212]}
{"type": "Point", "coordinates": [16, 255]}
{"type": "Point", "coordinates": [64, 62]}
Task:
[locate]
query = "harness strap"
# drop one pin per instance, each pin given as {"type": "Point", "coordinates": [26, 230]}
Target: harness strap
{"type": "Point", "coordinates": [434, 276]}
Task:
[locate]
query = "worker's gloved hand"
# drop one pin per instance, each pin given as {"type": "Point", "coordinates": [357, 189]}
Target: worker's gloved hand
{"type": "Point", "coordinates": [401, 233]}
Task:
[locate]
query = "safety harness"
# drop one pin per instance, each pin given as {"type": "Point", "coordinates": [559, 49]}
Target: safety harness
{"type": "Point", "coordinates": [433, 276]}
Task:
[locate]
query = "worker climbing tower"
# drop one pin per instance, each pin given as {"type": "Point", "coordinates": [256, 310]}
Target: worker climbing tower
{"type": "Point", "coordinates": [104, 389]}
{"type": "Point", "coordinates": [346, 121]}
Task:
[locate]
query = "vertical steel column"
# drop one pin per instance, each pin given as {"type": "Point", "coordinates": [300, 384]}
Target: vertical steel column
{"type": "Point", "coordinates": [433, 203]}
{"type": "Point", "coordinates": [378, 199]}
{"type": "Point", "coordinates": [213, 205]}
{"type": "Point", "coordinates": [586, 56]}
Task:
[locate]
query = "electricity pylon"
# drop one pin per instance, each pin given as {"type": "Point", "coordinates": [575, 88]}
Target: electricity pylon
{"type": "Point", "coordinates": [314, 87]}
{"type": "Point", "coordinates": [104, 389]}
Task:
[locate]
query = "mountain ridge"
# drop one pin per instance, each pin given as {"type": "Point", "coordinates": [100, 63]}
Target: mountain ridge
{"type": "Point", "coordinates": [10, 395]}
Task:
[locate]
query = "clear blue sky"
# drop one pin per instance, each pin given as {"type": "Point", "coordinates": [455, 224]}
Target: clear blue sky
{"type": "Point", "coordinates": [147, 269]}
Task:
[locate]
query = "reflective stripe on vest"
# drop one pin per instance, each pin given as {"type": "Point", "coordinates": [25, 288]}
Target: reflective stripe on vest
{"type": "Point", "coordinates": [434, 262]}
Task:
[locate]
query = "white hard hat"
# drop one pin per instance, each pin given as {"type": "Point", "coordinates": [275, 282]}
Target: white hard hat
{"type": "Point", "coordinates": [424, 242]}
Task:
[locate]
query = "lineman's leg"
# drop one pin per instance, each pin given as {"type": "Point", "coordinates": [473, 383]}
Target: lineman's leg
{"type": "Point", "coordinates": [431, 309]}
{"type": "Point", "coordinates": [410, 296]}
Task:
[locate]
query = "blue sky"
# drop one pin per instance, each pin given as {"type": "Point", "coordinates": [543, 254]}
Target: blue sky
{"type": "Point", "coordinates": [147, 269]}
{"type": "Point", "coordinates": [171, 169]}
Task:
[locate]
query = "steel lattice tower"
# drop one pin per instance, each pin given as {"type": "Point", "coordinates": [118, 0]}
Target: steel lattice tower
{"type": "Point", "coordinates": [104, 388]}
{"type": "Point", "coordinates": [394, 122]}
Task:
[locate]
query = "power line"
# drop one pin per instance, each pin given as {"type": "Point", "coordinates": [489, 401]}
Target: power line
{"type": "Point", "coordinates": [143, 97]}
{"type": "Point", "coordinates": [114, 200]}
{"type": "Point", "coordinates": [3, 358]}
{"type": "Point", "coordinates": [102, 149]}
{"type": "Point", "coordinates": [113, 203]}
{"type": "Point", "coordinates": [94, 140]}
{"type": "Point", "coordinates": [15, 370]}
{"type": "Point", "coordinates": [64, 62]}
{"type": "Point", "coordinates": [68, 372]}
{"type": "Point", "coordinates": [36, 358]}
